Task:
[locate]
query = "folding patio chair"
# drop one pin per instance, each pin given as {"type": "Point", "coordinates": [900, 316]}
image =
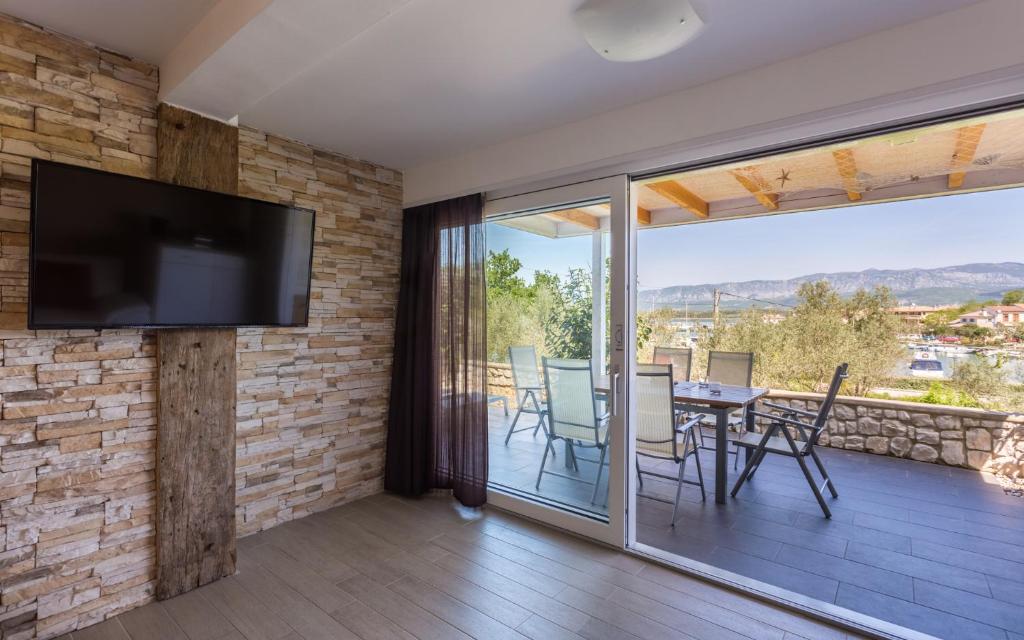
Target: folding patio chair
{"type": "Point", "coordinates": [778, 438]}
{"type": "Point", "coordinates": [679, 357]}
{"type": "Point", "coordinates": [734, 368]}
{"type": "Point", "coordinates": [659, 429]}
{"type": "Point", "coordinates": [528, 387]}
{"type": "Point", "coordinates": [572, 415]}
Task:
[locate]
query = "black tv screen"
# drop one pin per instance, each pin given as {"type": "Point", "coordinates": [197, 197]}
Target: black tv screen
{"type": "Point", "coordinates": [108, 251]}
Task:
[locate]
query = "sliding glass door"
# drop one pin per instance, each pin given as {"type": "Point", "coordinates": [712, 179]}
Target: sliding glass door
{"type": "Point", "coordinates": [559, 315]}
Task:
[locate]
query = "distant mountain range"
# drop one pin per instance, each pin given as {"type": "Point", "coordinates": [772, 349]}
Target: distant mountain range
{"type": "Point", "coordinates": [943, 285]}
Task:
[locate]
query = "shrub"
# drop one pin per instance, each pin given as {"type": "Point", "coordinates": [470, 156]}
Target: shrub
{"type": "Point", "coordinates": [939, 393]}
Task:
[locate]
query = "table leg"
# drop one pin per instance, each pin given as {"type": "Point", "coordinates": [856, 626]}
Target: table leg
{"type": "Point", "coordinates": [567, 455]}
{"type": "Point", "coordinates": [750, 427]}
{"type": "Point", "coordinates": [721, 454]}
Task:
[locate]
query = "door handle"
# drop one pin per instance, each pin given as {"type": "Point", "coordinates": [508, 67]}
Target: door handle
{"type": "Point", "coordinates": [614, 393]}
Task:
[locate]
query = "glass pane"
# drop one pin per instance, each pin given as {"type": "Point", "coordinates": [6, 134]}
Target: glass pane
{"type": "Point", "coordinates": [899, 256]}
{"type": "Point", "coordinates": [547, 344]}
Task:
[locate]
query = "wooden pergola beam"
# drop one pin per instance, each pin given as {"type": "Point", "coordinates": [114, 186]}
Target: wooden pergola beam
{"type": "Point", "coordinates": [577, 216]}
{"type": "Point", "coordinates": [680, 196]}
{"type": "Point", "coordinates": [967, 140]}
{"type": "Point", "coordinates": [847, 167]}
{"type": "Point", "coordinates": [757, 186]}
{"type": "Point", "coordinates": [643, 216]}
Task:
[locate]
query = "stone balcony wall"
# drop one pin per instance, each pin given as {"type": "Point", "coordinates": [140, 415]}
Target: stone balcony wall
{"type": "Point", "coordinates": [499, 380]}
{"type": "Point", "coordinates": [973, 438]}
{"type": "Point", "coordinates": [955, 436]}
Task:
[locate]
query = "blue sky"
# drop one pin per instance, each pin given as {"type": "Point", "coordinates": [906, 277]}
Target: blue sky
{"type": "Point", "coordinates": [929, 232]}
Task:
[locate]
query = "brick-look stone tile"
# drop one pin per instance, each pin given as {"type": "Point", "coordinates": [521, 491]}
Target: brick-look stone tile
{"type": "Point", "coordinates": [77, 408]}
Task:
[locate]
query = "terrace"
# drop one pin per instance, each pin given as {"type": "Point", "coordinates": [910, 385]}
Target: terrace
{"type": "Point", "coordinates": [931, 547]}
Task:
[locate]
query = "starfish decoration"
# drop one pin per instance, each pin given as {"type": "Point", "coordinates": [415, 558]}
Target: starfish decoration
{"type": "Point", "coordinates": [783, 178]}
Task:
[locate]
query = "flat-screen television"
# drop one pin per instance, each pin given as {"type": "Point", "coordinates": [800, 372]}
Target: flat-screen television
{"type": "Point", "coordinates": [112, 251]}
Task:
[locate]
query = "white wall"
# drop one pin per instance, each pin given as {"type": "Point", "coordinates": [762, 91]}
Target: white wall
{"type": "Point", "coordinates": [962, 57]}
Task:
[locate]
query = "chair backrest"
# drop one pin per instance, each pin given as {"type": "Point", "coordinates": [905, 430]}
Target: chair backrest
{"type": "Point", "coordinates": [731, 367]}
{"type": "Point", "coordinates": [680, 358]}
{"type": "Point", "coordinates": [572, 409]}
{"type": "Point", "coordinates": [524, 367]}
{"type": "Point", "coordinates": [830, 398]}
{"type": "Point", "coordinates": [655, 410]}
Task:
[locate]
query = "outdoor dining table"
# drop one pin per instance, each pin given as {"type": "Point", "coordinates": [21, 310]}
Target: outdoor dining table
{"type": "Point", "coordinates": [693, 397]}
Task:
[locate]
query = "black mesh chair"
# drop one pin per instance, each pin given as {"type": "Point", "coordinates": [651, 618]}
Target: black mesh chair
{"type": "Point", "coordinates": [779, 438]}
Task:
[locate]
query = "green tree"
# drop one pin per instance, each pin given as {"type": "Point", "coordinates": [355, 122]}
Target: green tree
{"type": "Point", "coordinates": [569, 329]}
{"type": "Point", "coordinates": [513, 309]}
{"type": "Point", "coordinates": [979, 378]}
{"type": "Point", "coordinates": [876, 348]}
{"type": "Point", "coordinates": [1013, 297]}
{"type": "Point", "coordinates": [974, 333]}
{"type": "Point", "coordinates": [502, 272]}
{"type": "Point", "coordinates": [653, 329]}
{"type": "Point", "coordinates": [802, 350]}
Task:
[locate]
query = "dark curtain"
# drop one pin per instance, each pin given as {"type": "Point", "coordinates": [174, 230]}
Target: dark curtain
{"type": "Point", "coordinates": [437, 423]}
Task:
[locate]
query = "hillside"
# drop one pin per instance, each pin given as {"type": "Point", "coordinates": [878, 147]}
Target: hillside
{"type": "Point", "coordinates": [943, 285]}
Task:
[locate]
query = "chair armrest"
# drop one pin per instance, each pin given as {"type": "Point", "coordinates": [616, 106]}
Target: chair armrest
{"type": "Point", "coordinates": [691, 423]}
{"type": "Point", "coordinates": [784, 420]}
{"type": "Point", "coordinates": [784, 410]}
{"type": "Point", "coordinates": [802, 427]}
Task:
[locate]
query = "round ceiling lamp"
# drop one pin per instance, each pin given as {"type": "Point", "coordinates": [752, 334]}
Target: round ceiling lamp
{"type": "Point", "coordinates": [634, 30]}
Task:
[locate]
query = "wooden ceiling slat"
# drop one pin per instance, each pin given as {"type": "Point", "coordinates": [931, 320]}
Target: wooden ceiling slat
{"type": "Point", "coordinates": [757, 186]}
{"type": "Point", "coordinates": [643, 216]}
{"type": "Point", "coordinates": [847, 167]}
{"type": "Point", "coordinates": [577, 216]}
{"type": "Point", "coordinates": [681, 196]}
{"type": "Point", "coordinates": [967, 140]}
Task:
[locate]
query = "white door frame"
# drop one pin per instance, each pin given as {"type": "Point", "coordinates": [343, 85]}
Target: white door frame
{"type": "Point", "coordinates": [614, 189]}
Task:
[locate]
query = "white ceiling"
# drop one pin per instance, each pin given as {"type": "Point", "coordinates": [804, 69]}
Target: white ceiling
{"type": "Point", "coordinates": [439, 77]}
{"type": "Point", "coordinates": [143, 29]}
{"type": "Point", "coordinates": [405, 82]}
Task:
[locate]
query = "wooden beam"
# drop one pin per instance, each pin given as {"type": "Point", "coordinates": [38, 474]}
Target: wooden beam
{"type": "Point", "coordinates": [967, 140]}
{"type": "Point", "coordinates": [643, 216]}
{"type": "Point", "coordinates": [757, 186]}
{"type": "Point", "coordinates": [680, 196]}
{"type": "Point", "coordinates": [195, 434]}
{"type": "Point", "coordinates": [847, 167]}
{"type": "Point", "coordinates": [577, 216]}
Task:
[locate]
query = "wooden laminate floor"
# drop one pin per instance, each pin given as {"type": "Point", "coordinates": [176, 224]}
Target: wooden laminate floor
{"type": "Point", "coordinates": [390, 568]}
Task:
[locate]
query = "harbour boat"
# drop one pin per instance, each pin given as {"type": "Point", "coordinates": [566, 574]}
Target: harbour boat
{"type": "Point", "coordinates": [926, 365]}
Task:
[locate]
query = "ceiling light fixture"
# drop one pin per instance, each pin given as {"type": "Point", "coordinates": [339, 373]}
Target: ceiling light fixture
{"type": "Point", "coordinates": [634, 30]}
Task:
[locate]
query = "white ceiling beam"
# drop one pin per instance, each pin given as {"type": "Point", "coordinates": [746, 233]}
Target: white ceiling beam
{"type": "Point", "coordinates": [245, 50]}
{"type": "Point", "coordinates": [222, 22]}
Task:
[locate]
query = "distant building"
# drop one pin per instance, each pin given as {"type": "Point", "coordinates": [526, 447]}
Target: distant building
{"type": "Point", "coordinates": [1007, 315]}
{"type": "Point", "coordinates": [916, 313]}
{"type": "Point", "coordinates": [979, 318]}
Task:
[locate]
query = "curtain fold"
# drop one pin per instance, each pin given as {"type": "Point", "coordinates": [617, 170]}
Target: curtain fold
{"type": "Point", "coordinates": [437, 421]}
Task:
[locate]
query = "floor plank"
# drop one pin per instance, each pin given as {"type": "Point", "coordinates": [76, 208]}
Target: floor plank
{"type": "Point", "coordinates": [197, 617]}
{"type": "Point", "coordinates": [431, 570]}
{"type": "Point", "coordinates": [106, 630]}
{"type": "Point", "coordinates": [151, 622]}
